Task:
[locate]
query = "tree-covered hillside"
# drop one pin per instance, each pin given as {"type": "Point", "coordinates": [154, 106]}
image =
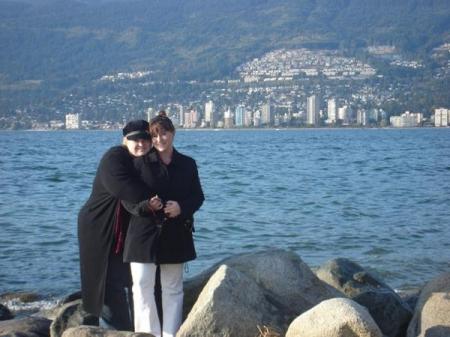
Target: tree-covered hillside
{"type": "Point", "coordinates": [67, 42]}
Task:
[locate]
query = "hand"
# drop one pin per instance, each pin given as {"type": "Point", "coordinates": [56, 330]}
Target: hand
{"type": "Point", "coordinates": [155, 203]}
{"type": "Point", "coordinates": [172, 209]}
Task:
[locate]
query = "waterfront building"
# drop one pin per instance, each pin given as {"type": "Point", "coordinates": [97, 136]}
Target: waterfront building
{"type": "Point", "coordinates": [239, 116]}
{"type": "Point", "coordinates": [266, 118]}
{"type": "Point", "coordinates": [210, 113]}
{"type": "Point", "coordinates": [248, 118]}
{"type": "Point", "coordinates": [407, 120]}
{"type": "Point", "coordinates": [312, 111]}
{"type": "Point", "coordinates": [361, 117]}
{"type": "Point", "coordinates": [227, 119]}
{"type": "Point", "coordinates": [181, 114]}
{"type": "Point", "coordinates": [331, 111]}
{"type": "Point", "coordinates": [441, 117]}
{"type": "Point", "coordinates": [257, 119]}
{"type": "Point", "coordinates": [343, 114]}
{"type": "Point", "coordinates": [73, 121]}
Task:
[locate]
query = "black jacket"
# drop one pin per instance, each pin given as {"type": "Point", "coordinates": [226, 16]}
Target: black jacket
{"type": "Point", "coordinates": [172, 242]}
{"type": "Point", "coordinates": [116, 179]}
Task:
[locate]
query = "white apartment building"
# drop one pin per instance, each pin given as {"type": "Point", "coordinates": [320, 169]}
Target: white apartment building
{"type": "Point", "coordinates": [361, 117]}
{"type": "Point", "coordinates": [343, 114]}
{"type": "Point", "coordinates": [266, 117]}
{"type": "Point", "coordinates": [227, 119]}
{"type": "Point", "coordinates": [406, 120]}
{"type": "Point", "coordinates": [441, 117]}
{"type": "Point", "coordinates": [209, 113]}
{"type": "Point", "coordinates": [312, 111]}
{"type": "Point", "coordinates": [73, 121]}
{"type": "Point", "coordinates": [239, 116]}
{"type": "Point", "coordinates": [331, 111]}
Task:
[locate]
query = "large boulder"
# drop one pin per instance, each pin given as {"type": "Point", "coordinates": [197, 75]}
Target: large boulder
{"type": "Point", "coordinates": [432, 314]}
{"type": "Point", "coordinates": [231, 304]}
{"type": "Point", "coordinates": [90, 331]}
{"type": "Point", "coordinates": [389, 311]}
{"type": "Point", "coordinates": [281, 273]}
{"type": "Point", "coordinates": [5, 313]}
{"type": "Point", "coordinates": [71, 315]}
{"type": "Point", "coordinates": [338, 317]}
{"type": "Point", "coordinates": [25, 327]}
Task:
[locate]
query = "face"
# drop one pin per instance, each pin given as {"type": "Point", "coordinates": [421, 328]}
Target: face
{"type": "Point", "coordinates": [163, 140]}
{"type": "Point", "coordinates": [138, 147]}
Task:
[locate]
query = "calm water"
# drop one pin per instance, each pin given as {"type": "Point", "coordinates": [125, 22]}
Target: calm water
{"type": "Point", "coordinates": [379, 197]}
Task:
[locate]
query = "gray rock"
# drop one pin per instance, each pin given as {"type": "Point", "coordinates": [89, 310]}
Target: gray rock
{"type": "Point", "coordinates": [25, 327]}
{"type": "Point", "coordinates": [281, 273]}
{"type": "Point", "coordinates": [5, 313]}
{"type": "Point", "coordinates": [25, 297]}
{"type": "Point", "coordinates": [90, 331]}
{"type": "Point", "coordinates": [338, 317]}
{"type": "Point", "coordinates": [387, 310]}
{"type": "Point", "coordinates": [349, 277]}
{"type": "Point", "coordinates": [390, 312]}
{"type": "Point", "coordinates": [410, 297]}
{"type": "Point", "coordinates": [231, 304]}
{"type": "Point", "coordinates": [71, 315]}
{"type": "Point", "coordinates": [432, 314]}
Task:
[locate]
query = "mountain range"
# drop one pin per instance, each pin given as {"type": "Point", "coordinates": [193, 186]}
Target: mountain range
{"type": "Point", "coordinates": [55, 45]}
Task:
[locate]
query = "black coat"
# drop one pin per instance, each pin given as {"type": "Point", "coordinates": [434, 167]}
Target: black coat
{"type": "Point", "coordinates": [116, 179]}
{"type": "Point", "coordinates": [172, 242]}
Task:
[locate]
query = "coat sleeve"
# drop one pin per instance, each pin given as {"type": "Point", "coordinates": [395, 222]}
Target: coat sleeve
{"type": "Point", "coordinates": [137, 209]}
{"type": "Point", "coordinates": [196, 197]}
{"type": "Point", "coordinates": [119, 177]}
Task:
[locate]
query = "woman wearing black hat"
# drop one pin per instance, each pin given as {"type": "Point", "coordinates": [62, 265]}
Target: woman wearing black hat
{"type": "Point", "coordinates": [164, 238]}
{"type": "Point", "coordinates": [102, 224]}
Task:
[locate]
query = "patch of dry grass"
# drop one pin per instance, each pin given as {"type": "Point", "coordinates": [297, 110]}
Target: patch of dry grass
{"type": "Point", "coordinates": [266, 331]}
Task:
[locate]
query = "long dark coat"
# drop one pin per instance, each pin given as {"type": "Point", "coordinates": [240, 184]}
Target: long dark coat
{"type": "Point", "coordinates": [172, 242]}
{"type": "Point", "coordinates": [116, 180]}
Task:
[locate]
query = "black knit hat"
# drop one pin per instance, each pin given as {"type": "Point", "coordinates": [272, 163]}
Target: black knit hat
{"type": "Point", "coordinates": [138, 129]}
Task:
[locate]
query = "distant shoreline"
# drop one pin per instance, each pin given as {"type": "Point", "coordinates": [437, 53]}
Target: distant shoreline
{"type": "Point", "coordinates": [242, 129]}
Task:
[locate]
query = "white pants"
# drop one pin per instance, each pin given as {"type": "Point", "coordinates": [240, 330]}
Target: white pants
{"type": "Point", "coordinates": [145, 312]}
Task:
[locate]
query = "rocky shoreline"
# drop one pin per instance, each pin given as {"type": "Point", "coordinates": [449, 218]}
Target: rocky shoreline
{"type": "Point", "coordinates": [273, 293]}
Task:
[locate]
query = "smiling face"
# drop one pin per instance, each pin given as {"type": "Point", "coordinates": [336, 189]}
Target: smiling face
{"type": "Point", "coordinates": [138, 147]}
{"type": "Point", "coordinates": [163, 140]}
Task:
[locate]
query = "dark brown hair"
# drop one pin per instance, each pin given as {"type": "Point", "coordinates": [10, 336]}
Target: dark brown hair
{"type": "Point", "coordinates": [161, 122]}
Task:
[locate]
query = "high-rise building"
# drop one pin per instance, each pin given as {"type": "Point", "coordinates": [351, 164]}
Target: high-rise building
{"type": "Point", "coordinates": [312, 111]}
{"type": "Point", "coordinates": [361, 117]}
{"type": "Point", "coordinates": [266, 117]}
{"type": "Point", "coordinates": [343, 114]}
{"type": "Point", "coordinates": [239, 116]}
{"type": "Point", "coordinates": [257, 119]}
{"type": "Point", "coordinates": [248, 118]}
{"type": "Point", "coordinates": [331, 111]}
{"type": "Point", "coordinates": [406, 119]}
{"type": "Point", "coordinates": [441, 117]}
{"type": "Point", "coordinates": [73, 121]}
{"type": "Point", "coordinates": [209, 113]}
{"type": "Point", "coordinates": [181, 114]}
{"type": "Point", "coordinates": [227, 119]}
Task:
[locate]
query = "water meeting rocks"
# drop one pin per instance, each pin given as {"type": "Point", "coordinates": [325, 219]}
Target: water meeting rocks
{"type": "Point", "coordinates": [5, 313]}
{"type": "Point", "coordinates": [389, 311]}
{"type": "Point", "coordinates": [339, 317]}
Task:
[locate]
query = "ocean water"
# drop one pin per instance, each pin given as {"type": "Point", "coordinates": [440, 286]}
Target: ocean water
{"type": "Point", "coordinates": [379, 197]}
